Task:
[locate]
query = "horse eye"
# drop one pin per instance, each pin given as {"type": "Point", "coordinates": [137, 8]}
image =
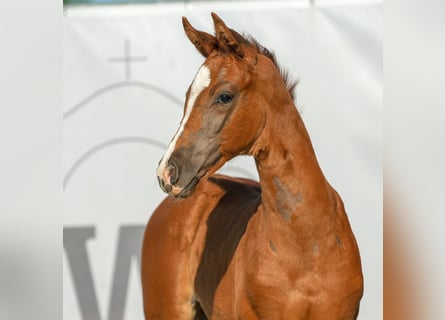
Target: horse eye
{"type": "Point", "coordinates": [224, 98]}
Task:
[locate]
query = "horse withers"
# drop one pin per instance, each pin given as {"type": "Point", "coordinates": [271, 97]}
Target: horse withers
{"type": "Point", "coordinates": [229, 248]}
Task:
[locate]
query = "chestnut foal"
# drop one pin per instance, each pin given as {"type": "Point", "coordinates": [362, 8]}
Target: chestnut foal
{"type": "Point", "coordinates": [230, 248]}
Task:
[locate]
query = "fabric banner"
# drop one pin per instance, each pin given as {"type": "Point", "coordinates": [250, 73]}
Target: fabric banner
{"type": "Point", "coordinates": [126, 71]}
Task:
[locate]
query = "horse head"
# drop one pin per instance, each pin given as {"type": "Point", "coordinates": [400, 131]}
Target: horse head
{"type": "Point", "coordinates": [225, 110]}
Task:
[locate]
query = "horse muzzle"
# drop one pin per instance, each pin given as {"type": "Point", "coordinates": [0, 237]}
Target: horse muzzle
{"type": "Point", "coordinates": [170, 182]}
{"type": "Point", "coordinates": [179, 174]}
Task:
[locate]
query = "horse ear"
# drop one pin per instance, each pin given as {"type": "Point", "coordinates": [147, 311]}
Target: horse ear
{"type": "Point", "coordinates": [228, 38]}
{"type": "Point", "coordinates": [204, 42]}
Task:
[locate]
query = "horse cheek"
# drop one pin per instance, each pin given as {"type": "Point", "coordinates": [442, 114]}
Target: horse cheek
{"type": "Point", "coordinates": [240, 137]}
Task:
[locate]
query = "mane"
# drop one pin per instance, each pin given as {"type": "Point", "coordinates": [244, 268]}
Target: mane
{"type": "Point", "coordinates": [290, 83]}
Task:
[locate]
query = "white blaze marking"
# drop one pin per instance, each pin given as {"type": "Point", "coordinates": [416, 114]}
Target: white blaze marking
{"type": "Point", "coordinates": [201, 81]}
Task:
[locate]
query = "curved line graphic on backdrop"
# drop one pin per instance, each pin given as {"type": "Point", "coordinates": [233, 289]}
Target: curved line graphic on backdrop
{"type": "Point", "coordinates": [125, 140]}
{"type": "Point", "coordinates": [104, 145]}
{"type": "Point", "coordinates": [117, 85]}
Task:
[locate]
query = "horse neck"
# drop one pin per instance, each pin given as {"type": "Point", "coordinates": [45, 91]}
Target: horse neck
{"type": "Point", "coordinates": [294, 190]}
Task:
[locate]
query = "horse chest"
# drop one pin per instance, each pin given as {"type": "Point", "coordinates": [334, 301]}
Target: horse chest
{"type": "Point", "coordinates": [280, 284]}
{"type": "Point", "coordinates": [268, 294]}
{"type": "Point", "coordinates": [274, 281]}
{"type": "Point", "coordinates": [281, 270]}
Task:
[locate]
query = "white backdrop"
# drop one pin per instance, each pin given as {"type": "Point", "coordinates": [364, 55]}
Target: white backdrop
{"type": "Point", "coordinates": [126, 70]}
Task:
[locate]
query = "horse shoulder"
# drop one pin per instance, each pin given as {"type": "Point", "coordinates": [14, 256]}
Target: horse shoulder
{"type": "Point", "coordinates": [166, 261]}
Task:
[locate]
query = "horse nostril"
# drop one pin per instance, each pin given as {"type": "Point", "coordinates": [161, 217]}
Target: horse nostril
{"type": "Point", "coordinates": [172, 173]}
{"type": "Point", "coordinates": [165, 187]}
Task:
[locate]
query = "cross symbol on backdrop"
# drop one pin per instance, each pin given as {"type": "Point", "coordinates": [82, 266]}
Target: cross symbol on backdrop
{"type": "Point", "coordinates": [128, 59]}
